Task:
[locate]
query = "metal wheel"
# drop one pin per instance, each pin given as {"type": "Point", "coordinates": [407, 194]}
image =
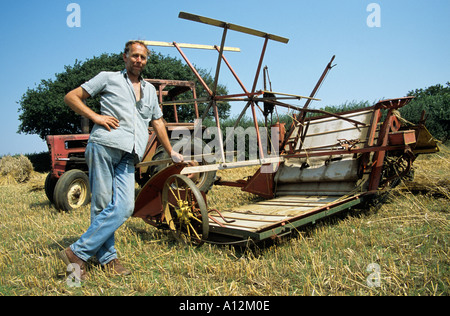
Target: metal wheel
{"type": "Point", "coordinates": [397, 167]}
{"type": "Point", "coordinates": [185, 210]}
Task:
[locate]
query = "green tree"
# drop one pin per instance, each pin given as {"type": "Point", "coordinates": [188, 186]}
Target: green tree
{"type": "Point", "coordinates": [435, 101]}
{"type": "Point", "coordinates": [431, 91]}
{"type": "Point", "coordinates": [42, 110]}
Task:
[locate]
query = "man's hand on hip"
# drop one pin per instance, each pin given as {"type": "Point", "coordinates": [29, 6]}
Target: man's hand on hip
{"type": "Point", "coordinates": [106, 121]}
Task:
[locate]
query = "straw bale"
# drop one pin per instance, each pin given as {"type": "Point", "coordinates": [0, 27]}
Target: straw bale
{"type": "Point", "coordinates": [16, 169]}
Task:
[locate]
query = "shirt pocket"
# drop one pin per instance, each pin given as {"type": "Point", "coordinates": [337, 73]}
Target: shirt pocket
{"type": "Point", "coordinates": [144, 110]}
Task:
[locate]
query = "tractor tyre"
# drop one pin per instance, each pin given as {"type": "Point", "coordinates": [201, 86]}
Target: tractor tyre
{"type": "Point", "coordinates": [49, 186]}
{"type": "Point", "coordinates": [203, 180]}
{"type": "Point", "coordinates": [72, 190]}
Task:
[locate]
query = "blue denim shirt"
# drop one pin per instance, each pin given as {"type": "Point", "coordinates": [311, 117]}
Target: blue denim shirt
{"type": "Point", "coordinates": [118, 100]}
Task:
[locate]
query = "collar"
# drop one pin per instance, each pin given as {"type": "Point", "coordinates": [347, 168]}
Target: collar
{"type": "Point", "coordinates": [124, 73]}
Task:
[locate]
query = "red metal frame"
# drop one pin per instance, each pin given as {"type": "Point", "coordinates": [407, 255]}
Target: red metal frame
{"type": "Point", "coordinates": [62, 148]}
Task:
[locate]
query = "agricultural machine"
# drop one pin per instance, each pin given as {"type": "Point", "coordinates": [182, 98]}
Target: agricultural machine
{"type": "Point", "coordinates": [322, 164]}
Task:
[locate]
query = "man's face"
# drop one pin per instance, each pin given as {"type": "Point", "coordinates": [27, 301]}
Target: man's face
{"type": "Point", "coordinates": [136, 59]}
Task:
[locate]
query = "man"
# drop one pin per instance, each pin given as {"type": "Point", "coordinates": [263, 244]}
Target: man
{"type": "Point", "coordinates": [117, 142]}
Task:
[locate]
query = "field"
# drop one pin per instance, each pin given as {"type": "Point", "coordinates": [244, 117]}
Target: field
{"type": "Point", "coordinates": [399, 248]}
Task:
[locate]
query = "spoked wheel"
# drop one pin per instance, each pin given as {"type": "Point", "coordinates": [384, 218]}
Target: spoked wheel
{"type": "Point", "coordinates": [397, 167]}
{"type": "Point", "coordinates": [185, 210]}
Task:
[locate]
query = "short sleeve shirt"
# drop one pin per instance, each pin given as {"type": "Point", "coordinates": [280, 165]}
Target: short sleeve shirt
{"type": "Point", "coordinates": [118, 100]}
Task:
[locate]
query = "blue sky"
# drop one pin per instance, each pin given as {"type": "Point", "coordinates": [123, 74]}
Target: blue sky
{"type": "Point", "coordinates": [409, 50]}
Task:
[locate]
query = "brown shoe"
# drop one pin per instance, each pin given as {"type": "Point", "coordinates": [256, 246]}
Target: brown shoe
{"type": "Point", "coordinates": [116, 268]}
{"type": "Point", "coordinates": [68, 257]}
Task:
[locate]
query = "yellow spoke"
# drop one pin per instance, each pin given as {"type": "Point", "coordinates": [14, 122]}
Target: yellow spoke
{"type": "Point", "coordinates": [195, 232]}
{"type": "Point", "coordinates": [192, 216]}
{"type": "Point", "coordinates": [178, 188]}
{"type": "Point", "coordinates": [171, 205]}
{"type": "Point", "coordinates": [174, 195]}
{"type": "Point", "coordinates": [188, 232]}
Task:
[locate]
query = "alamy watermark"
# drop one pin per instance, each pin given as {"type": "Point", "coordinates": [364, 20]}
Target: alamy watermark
{"type": "Point", "coordinates": [74, 18]}
{"type": "Point", "coordinates": [374, 18]}
{"type": "Point", "coordinates": [74, 278]}
{"type": "Point", "coordinates": [237, 144]}
{"type": "Point", "coordinates": [374, 278]}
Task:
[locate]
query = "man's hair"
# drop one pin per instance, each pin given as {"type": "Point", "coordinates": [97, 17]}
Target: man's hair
{"type": "Point", "coordinates": [129, 43]}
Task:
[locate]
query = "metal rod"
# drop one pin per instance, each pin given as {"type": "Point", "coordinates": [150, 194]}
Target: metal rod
{"type": "Point", "coordinates": [317, 111]}
{"type": "Point", "coordinates": [319, 83]}
{"type": "Point", "coordinates": [203, 83]}
{"type": "Point", "coordinates": [303, 114]}
{"type": "Point", "coordinates": [219, 131]}
{"type": "Point", "coordinates": [233, 72]}
{"type": "Point", "coordinates": [219, 60]}
{"type": "Point", "coordinates": [255, 82]}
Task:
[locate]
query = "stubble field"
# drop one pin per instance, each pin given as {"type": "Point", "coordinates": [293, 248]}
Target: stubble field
{"type": "Point", "coordinates": [399, 248]}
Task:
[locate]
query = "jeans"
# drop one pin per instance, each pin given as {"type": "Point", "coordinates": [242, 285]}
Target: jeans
{"type": "Point", "coordinates": [111, 177]}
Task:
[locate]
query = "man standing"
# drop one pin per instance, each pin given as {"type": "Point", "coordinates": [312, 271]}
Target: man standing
{"type": "Point", "coordinates": [117, 142]}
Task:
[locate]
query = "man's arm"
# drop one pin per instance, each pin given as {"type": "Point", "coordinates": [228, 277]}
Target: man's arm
{"type": "Point", "coordinates": [161, 133]}
{"type": "Point", "coordinates": [74, 99]}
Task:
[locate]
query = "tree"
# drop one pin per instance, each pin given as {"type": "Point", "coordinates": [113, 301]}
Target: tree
{"type": "Point", "coordinates": [430, 91]}
{"type": "Point", "coordinates": [43, 111]}
{"type": "Point", "coordinates": [435, 101]}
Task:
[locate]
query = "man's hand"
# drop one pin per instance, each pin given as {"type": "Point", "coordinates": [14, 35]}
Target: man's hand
{"type": "Point", "coordinates": [74, 99]}
{"type": "Point", "coordinates": [107, 122]}
{"type": "Point", "coordinates": [160, 130]}
{"type": "Point", "coordinates": [176, 157]}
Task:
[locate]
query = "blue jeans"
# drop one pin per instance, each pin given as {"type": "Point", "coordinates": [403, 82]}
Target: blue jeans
{"type": "Point", "coordinates": [111, 177]}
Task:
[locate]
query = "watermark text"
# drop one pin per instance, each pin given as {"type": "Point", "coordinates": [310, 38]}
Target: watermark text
{"type": "Point", "coordinates": [74, 18]}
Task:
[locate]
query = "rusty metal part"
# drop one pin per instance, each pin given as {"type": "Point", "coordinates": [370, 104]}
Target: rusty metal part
{"type": "Point", "coordinates": [148, 202]}
{"type": "Point", "coordinates": [348, 144]}
{"type": "Point", "coordinates": [228, 221]}
{"type": "Point", "coordinates": [397, 167]}
{"type": "Point", "coordinates": [394, 104]}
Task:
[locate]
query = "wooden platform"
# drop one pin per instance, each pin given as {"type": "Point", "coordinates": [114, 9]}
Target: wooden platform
{"type": "Point", "coordinates": [275, 216]}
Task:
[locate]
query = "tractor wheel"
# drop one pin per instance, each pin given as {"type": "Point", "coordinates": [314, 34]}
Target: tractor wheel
{"type": "Point", "coordinates": [203, 180]}
{"type": "Point", "coordinates": [72, 190]}
{"type": "Point", "coordinates": [49, 186]}
{"type": "Point", "coordinates": [185, 210]}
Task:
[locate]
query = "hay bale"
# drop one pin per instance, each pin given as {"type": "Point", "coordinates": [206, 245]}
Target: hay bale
{"type": "Point", "coordinates": [16, 169]}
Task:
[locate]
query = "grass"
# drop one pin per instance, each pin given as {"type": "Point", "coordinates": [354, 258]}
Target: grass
{"type": "Point", "coordinates": [401, 247]}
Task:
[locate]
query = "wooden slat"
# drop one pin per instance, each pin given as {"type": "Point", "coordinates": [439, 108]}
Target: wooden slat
{"type": "Point", "coordinates": [255, 217]}
{"type": "Point", "coordinates": [231, 165]}
{"type": "Point", "coordinates": [185, 45]}
{"type": "Point", "coordinates": [234, 27]}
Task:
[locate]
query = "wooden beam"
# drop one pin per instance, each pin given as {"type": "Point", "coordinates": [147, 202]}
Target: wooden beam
{"type": "Point", "coordinates": [234, 27]}
{"type": "Point", "coordinates": [185, 45]}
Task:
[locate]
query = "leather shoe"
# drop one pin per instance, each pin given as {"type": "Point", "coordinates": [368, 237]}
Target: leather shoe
{"type": "Point", "coordinates": [116, 268]}
{"type": "Point", "coordinates": [68, 257]}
